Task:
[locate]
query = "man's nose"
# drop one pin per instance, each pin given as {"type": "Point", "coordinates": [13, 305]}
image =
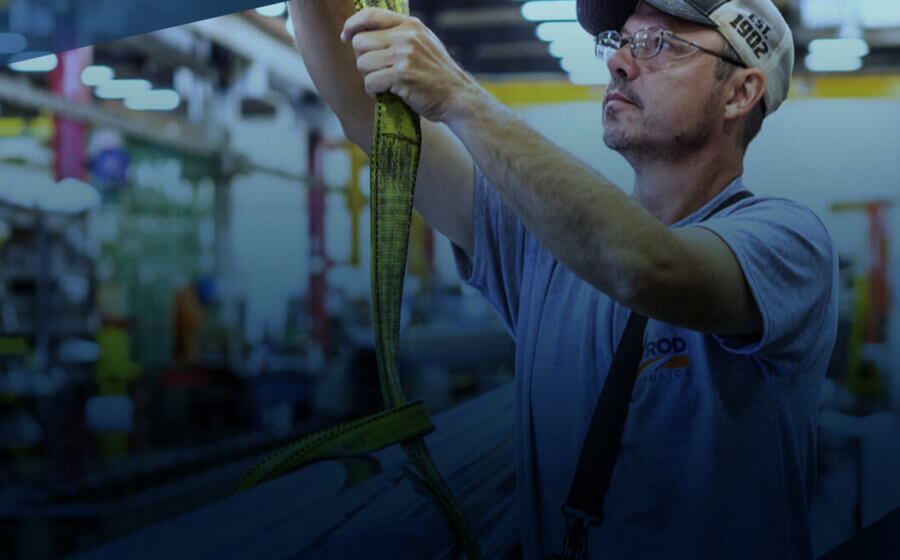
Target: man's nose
{"type": "Point", "coordinates": [622, 64]}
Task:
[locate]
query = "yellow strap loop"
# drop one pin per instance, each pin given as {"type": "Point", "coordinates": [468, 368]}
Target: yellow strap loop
{"type": "Point", "coordinates": [357, 437]}
{"type": "Point", "coordinates": [394, 165]}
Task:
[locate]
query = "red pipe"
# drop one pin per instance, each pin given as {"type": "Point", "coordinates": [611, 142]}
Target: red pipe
{"type": "Point", "coordinates": [69, 138]}
{"type": "Point", "coordinates": [318, 262]}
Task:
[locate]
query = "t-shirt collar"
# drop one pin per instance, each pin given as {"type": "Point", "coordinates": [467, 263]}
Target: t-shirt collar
{"type": "Point", "coordinates": [703, 212]}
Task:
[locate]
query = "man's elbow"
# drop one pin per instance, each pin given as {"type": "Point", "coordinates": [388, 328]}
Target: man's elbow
{"type": "Point", "coordinates": [636, 284]}
{"type": "Point", "coordinates": [631, 290]}
{"type": "Point", "coordinates": [357, 135]}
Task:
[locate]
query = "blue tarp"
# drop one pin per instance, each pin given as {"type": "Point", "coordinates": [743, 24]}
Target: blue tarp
{"type": "Point", "coordinates": [59, 25]}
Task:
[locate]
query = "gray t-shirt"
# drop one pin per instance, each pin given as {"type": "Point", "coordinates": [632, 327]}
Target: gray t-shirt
{"type": "Point", "coordinates": [718, 452]}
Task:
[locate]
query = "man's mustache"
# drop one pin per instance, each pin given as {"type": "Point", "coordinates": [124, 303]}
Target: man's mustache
{"type": "Point", "coordinates": [621, 88]}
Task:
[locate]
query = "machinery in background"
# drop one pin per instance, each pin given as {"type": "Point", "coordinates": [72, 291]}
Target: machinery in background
{"type": "Point", "coordinates": [867, 361]}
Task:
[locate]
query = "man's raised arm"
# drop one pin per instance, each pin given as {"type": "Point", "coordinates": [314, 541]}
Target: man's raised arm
{"type": "Point", "coordinates": [444, 186]}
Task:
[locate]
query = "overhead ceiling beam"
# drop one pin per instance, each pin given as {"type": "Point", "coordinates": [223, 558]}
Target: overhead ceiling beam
{"type": "Point", "coordinates": [249, 41]}
{"type": "Point", "coordinates": [154, 45]}
{"type": "Point", "coordinates": [504, 15]}
{"type": "Point", "coordinates": [888, 37]}
{"type": "Point", "coordinates": [515, 49]}
{"type": "Point", "coordinates": [273, 26]}
{"type": "Point", "coordinates": [184, 136]}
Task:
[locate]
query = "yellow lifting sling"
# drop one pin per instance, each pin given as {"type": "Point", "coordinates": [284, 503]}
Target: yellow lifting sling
{"type": "Point", "coordinates": [395, 161]}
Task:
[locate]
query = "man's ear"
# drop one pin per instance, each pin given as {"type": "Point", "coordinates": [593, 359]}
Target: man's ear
{"type": "Point", "coordinates": [747, 88]}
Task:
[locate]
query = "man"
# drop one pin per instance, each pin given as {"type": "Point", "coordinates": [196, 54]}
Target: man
{"type": "Point", "coordinates": [717, 458]}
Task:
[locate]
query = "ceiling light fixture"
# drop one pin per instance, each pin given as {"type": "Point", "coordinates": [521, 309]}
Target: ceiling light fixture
{"type": "Point", "coordinates": [575, 44]}
{"type": "Point", "coordinates": [34, 62]}
{"type": "Point", "coordinates": [95, 75]}
{"type": "Point", "coordinates": [839, 47]}
{"type": "Point", "coordinates": [120, 89]}
{"type": "Point", "coordinates": [554, 30]}
{"type": "Point", "coordinates": [272, 10]}
{"type": "Point", "coordinates": [549, 10]}
{"type": "Point", "coordinates": [153, 100]}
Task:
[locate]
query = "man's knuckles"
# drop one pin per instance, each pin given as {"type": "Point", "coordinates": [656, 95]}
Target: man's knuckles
{"type": "Point", "coordinates": [370, 19]}
{"type": "Point", "coordinates": [372, 84]}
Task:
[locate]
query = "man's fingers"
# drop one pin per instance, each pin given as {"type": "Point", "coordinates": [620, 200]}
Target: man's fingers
{"type": "Point", "coordinates": [380, 81]}
{"type": "Point", "coordinates": [369, 19]}
{"type": "Point", "coordinates": [370, 41]}
{"type": "Point", "coordinates": [374, 61]}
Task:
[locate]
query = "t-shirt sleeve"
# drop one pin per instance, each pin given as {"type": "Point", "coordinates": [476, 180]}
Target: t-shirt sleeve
{"type": "Point", "coordinates": [496, 266]}
{"type": "Point", "coordinates": [789, 262]}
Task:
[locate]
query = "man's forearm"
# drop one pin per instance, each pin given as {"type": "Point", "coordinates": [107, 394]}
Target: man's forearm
{"type": "Point", "coordinates": [578, 215]}
{"type": "Point", "coordinates": [332, 64]}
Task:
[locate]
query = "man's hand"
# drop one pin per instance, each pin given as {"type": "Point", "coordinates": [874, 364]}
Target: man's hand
{"type": "Point", "coordinates": [398, 54]}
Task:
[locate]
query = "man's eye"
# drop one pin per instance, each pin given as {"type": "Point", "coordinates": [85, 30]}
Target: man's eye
{"type": "Point", "coordinates": [676, 48]}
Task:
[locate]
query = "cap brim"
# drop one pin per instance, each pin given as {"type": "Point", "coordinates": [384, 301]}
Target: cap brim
{"type": "Point", "coordinates": [603, 15]}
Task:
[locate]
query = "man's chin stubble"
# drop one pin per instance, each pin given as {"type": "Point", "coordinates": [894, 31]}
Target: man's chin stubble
{"type": "Point", "coordinates": [616, 140]}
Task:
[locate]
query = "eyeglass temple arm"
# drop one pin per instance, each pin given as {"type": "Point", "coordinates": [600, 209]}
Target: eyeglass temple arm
{"type": "Point", "coordinates": [707, 51]}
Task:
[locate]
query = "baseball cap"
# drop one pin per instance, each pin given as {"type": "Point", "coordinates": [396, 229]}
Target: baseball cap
{"type": "Point", "coordinates": [755, 29]}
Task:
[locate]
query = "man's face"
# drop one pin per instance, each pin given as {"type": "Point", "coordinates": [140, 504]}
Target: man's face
{"type": "Point", "coordinates": [676, 103]}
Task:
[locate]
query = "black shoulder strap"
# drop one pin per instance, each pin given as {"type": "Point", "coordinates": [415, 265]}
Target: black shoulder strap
{"type": "Point", "coordinates": [601, 445]}
{"type": "Point", "coordinates": [733, 199]}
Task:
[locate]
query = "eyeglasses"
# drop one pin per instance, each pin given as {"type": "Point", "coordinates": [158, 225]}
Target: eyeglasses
{"type": "Point", "coordinates": [648, 42]}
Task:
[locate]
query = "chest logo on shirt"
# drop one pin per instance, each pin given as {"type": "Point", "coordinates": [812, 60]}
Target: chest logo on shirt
{"type": "Point", "coordinates": [661, 356]}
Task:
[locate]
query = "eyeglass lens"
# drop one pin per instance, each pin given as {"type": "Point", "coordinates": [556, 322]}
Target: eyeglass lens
{"type": "Point", "coordinates": [644, 44]}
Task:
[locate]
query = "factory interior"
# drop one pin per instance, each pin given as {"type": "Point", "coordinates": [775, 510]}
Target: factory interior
{"type": "Point", "coordinates": [185, 268]}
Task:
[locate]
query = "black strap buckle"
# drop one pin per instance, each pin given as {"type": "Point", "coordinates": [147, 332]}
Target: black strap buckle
{"type": "Point", "coordinates": [570, 512]}
{"type": "Point", "coordinates": [577, 522]}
